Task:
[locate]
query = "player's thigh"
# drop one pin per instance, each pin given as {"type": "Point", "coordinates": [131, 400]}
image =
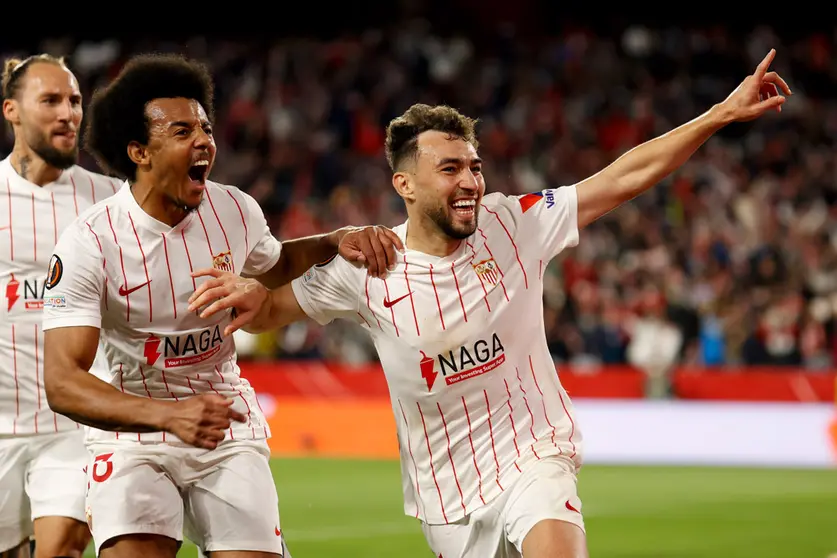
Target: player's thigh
{"type": "Point", "coordinates": [543, 514]}
{"type": "Point", "coordinates": [233, 506]}
{"type": "Point", "coordinates": [481, 534]}
{"type": "Point", "coordinates": [132, 499]}
{"type": "Point", "coordinates": [15, 516]}
{"type": "Point", "coordinates": [56, 482]}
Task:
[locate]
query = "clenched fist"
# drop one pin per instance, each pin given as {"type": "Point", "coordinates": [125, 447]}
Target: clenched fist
{"type": "Point", "coordinates": [202, 420]}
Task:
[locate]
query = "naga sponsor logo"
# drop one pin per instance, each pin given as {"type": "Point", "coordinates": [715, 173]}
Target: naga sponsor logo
{"type": "Point", "coordinates": [30, 293]}
{"type": "Point", "coordinates": [183, 350]}
{"type": "Point", "coordinates": [463, 363]}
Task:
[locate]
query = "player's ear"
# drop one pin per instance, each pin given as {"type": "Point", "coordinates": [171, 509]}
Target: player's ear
{"type": "Point", "coordinates": [138, 153]}
{"type": "Point", "coordinates": [10, 111]}
{"type": "Point", "coordinates": [403, 184]}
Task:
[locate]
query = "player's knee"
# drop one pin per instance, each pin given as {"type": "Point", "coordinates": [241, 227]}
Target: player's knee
{"type": "Point", "coordinates": [59, 537]}
{"type": "Point", "coordinates": [553, 538]}
{"type": "Point", "coordinates": [139, 546]}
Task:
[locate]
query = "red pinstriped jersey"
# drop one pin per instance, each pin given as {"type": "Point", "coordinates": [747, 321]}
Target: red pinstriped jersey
{"type": "Point", "coordinates": [475, 393]}
{"type": "Point", "coordinates": [32, 219]}
{"type": "Point", "coordinates": [118, 269]}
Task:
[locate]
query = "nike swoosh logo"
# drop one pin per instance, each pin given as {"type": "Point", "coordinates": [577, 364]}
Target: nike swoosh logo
{"type": "Point", "coordinates": [391, 303]}
{"type": "Point", "coordinates": [125, 292]}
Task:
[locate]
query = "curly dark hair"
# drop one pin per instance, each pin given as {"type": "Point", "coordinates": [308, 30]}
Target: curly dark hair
{"type": "Point", "coordinates": [116, 115]}
{"type": "Point", "coordinates": [403, 132]}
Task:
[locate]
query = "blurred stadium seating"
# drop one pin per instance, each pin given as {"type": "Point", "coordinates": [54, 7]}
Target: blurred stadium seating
{"type": "Point", "coordinates": [732, 262]}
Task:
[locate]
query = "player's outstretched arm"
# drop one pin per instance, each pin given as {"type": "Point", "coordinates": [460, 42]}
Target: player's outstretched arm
{"type": "Point", "coordinates": [257, 309]}
{"type": "Point", "coordinates": [371, 246]}
{"type": "Point", "coordinates": [645, 165]}
{"type": "Point", "coordinates": [72, 391]}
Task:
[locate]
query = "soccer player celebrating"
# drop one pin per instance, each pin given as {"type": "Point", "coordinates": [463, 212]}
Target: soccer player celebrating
{"type": "Point", "coordinates": [42, 189]}
{"type": "Point", "coordinates": [490, 446]}
{"type": "Point", "coordinates": [122, 273]}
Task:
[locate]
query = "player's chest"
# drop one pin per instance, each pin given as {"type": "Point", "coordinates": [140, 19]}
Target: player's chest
{"type": "Point", "coordinates": [438, 304]}
{"type": "Point", "coordinates": [149, 277]}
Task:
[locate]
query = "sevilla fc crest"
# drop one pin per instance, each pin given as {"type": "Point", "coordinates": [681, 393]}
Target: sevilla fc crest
{"type": "Point", "coordinates": [223, 262]}
{"type": "Point", "coordinates": [487, 271]}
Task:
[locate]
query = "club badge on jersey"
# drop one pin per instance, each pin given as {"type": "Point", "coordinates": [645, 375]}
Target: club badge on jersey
{"type": "Point", "coordinates": [487, 271]}
{"type": "Point", "coordinates": [223, 262]}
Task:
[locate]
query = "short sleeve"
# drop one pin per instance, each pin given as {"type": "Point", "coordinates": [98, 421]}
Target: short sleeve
{"type": "Point", "coordinates": [75, 281]}
{"type": "Point", "coordinates": [550, 219]}
{"type": "Point", "coordinates": [264, 247]}
{"type": "Point", "coordinates": [329, 290]}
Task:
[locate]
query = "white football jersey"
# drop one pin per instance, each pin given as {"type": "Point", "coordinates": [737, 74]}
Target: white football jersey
{"type": "Point", "coordinates": [461, 339]}
{"type": "Point", "coordinates": [32, 219]}
{"type": "Point", "coordinates": [118, 269]}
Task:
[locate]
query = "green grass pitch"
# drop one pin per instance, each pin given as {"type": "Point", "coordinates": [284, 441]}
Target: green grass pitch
{"type": "Point", "coordinates": [352, 508]}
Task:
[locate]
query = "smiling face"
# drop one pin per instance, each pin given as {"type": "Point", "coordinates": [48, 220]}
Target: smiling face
{"type": "Point", "coordinates": [180, 151]}
{"type": "Point", "coordinates": [46, 113]}
{"type": "Point", "coordinates": [448, 183]}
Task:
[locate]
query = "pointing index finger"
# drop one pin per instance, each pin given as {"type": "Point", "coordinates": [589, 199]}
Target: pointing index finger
{"type": "Point", "coordinates": [765, 63]}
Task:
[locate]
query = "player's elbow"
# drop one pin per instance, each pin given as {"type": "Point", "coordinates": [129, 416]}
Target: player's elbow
{"type": "Point", "coordinates": [55, 388]}
{"type": "Point", "coordinates": [58, 374]}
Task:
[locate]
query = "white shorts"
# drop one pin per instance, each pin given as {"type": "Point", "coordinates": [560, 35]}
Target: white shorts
{"type": "Point", "coordinates": [41, 475]}
{"type": "Point", "coordinates": [221, 499]}
{"type": "Point", "coordinates": [545, 490]}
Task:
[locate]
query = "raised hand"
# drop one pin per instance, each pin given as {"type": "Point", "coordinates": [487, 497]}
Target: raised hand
{"type": "Point", "coordinates": [759, 93]}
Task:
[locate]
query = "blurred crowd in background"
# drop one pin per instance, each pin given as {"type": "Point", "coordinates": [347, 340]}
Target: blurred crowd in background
{"type": "Point", "coordinates": [731, 261]}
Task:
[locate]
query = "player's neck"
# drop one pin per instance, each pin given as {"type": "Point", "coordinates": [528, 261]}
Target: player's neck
{"type": "Point", "coordinates": [31, 167]}
{"type": "Point", "coordinates": [426, 238]}
{"type": "Point", "coordinates": [156, 204]}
